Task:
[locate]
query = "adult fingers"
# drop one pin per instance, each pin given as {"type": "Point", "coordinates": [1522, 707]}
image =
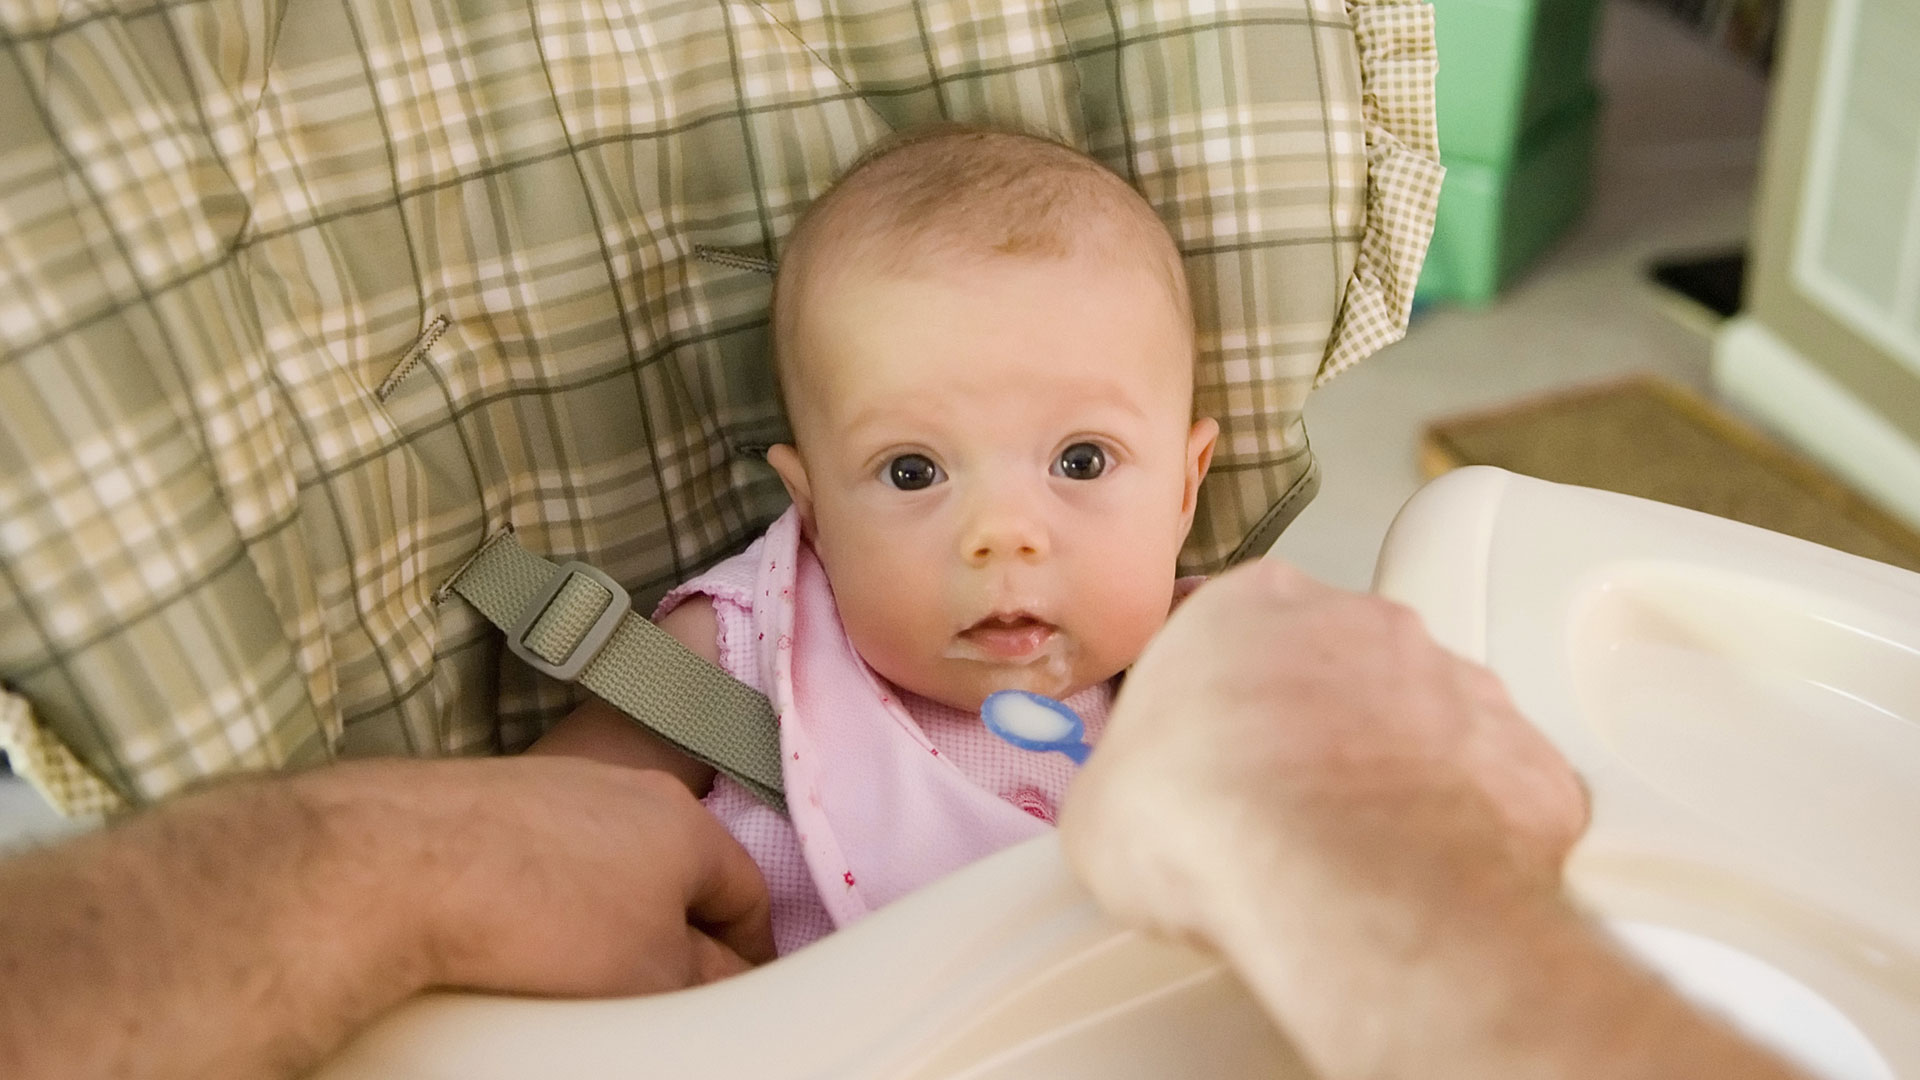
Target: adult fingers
{"type": "Point", "coordinates": [1250, 590]}
{"type": "Point", "coordinates": [710, 961]}
{"type": "Point", "coordinates": [727, 896]}
{"type": "Point", "coordinates": [1535, 785]}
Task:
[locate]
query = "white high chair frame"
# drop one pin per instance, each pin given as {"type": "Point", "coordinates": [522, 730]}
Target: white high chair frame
{"type": "Point", "coordinates": [1809, 941]}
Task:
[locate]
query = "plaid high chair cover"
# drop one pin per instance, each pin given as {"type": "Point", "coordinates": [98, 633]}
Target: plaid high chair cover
{"type": "Point", "coordinates": [302, 302]}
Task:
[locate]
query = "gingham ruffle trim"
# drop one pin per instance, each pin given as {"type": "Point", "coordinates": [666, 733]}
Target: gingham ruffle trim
{"type": "Point", "coordinates": [45, 763]}
{"type": "Point", "coordinates": [1397, 65]}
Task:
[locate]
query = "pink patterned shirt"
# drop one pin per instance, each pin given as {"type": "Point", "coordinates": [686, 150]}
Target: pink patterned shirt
{"type": "Point", "coordinates": [754, 650]}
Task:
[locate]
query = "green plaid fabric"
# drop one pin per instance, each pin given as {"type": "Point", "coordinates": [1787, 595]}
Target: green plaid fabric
{"type": "Point", "coordinates": [301, 302]}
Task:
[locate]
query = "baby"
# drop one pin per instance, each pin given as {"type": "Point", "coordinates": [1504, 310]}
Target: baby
{"type": "Point", "coordinates": [985, 349]}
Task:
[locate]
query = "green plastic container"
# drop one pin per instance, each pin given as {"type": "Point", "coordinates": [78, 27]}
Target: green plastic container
{"type": "Point", "coordinates": [1506, 66]}
{"type": "Point", "coordinates": [1494, 220]}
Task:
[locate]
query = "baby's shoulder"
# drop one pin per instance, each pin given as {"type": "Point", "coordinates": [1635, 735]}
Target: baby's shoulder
{"type": "Point", "coordinates": [694, 623]}
{"type": "Point", "coordinates": [728, 582]}
{"type": "Point", "coordinates": [712, 614]}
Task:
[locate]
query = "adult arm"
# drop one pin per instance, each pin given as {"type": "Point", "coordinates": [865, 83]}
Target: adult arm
{"type": "Point", "coordinates": [247, 930]}
{"type": "Point", "coordinates": [1373, 836]}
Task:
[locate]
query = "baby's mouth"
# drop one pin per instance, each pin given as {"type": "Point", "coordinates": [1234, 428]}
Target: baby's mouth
{"type": "Point", "coordinates": [1011, 637]}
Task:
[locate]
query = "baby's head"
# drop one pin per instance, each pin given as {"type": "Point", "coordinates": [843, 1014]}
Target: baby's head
{"type": "Point", "coordinates": [986, 352]}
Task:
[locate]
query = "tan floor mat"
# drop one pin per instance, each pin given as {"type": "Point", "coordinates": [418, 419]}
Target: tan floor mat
{"type": "Point", "coordinates": [1658, 440]}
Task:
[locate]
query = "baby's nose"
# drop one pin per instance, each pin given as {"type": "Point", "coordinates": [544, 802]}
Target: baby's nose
{"type": "Point", "coordinates": [1004, 532]}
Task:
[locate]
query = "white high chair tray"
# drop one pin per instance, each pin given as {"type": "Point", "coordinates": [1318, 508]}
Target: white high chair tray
{"type": "Point", "coordinates": [1744, 706]}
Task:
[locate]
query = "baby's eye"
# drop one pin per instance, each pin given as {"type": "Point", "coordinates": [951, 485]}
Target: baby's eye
{"type": "Point", "coordinates": [1081, 461]}
{"type": "Point", "coordinates": [912, 472]}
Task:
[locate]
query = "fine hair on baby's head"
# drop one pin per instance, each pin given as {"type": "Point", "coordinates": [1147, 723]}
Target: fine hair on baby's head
{"type": "Point", "coordinates": [952, 194]}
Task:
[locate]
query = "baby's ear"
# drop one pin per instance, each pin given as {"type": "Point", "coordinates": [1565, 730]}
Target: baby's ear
{"type": "Point", "coordinates": [793, 473]}
{"type": "Point", "coordinates": [1200, 443]}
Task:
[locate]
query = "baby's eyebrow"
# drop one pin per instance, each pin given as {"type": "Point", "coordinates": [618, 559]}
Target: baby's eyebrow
{"type": "Point", "coordinates": [1110, 395]}
{"type": "Point", "coordinates": [1122, 401]}
{"type": "Point", "coordinates": [917, 407]}
{"type": "Point", "coordinates": [871, 416]}
{"type": "Point", "coordinates": [925, 406]}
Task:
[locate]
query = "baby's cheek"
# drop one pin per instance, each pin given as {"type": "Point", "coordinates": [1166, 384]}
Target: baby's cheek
{"type": "Point", "coordinates": [890, 646]}
{"type": "Point", "coordinates": [1133, 614]}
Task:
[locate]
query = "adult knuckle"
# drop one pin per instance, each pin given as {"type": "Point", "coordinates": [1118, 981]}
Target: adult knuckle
{"type": "Point", "coordinates": [1404, 619]}
{"type": "Point", "coordinates": [1399, 624]}
{"type": "Point", "coordinates": [660, 788]}
{"type": "Point", "coordinates": [1582, 800]}
{"type": "Point", "coordinates": [652, 781]}
{"type": "Point", "coordinates": [1484, 683]}
{"type": "Point", "coordinates": [1279, 576]}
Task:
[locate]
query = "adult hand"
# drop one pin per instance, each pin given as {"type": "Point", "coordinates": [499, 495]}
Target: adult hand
{"type": "Point", "coordinates": [248, 929]}
{"type": "Point", "coordinates": [570, 877]}
{"type": "Point", "coordinates": [1277, 718]}
{"type": "Point", "coordinates": [1373, 836]}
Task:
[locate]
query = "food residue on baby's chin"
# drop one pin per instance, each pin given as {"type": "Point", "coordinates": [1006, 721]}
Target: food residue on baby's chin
{"type": "Point", "coordinates": [1050, 674]}
{"type": "Point", "coordinates": [1010, 653]}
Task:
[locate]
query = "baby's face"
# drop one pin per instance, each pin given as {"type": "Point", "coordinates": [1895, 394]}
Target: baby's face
{"type": "Point", "coordinates": [997, 468]}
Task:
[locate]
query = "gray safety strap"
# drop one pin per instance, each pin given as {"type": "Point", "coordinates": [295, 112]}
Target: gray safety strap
{"type": "Point", "coordinates": [577, 624]}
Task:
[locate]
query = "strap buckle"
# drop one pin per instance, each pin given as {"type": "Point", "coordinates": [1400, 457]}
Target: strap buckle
{"type": "Point", "coordinates": [569, 621]}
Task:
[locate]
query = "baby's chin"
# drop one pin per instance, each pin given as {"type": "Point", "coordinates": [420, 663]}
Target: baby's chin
{"type": "Point", "coordinates": [1056, 680]}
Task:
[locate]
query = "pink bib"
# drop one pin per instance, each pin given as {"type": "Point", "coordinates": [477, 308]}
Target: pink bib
{"type": "Point", "coordinates": [878, 811]}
